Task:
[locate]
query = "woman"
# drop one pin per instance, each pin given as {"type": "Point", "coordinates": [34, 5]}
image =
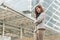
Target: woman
{"type": "Point", "coordinates": [40, 19]}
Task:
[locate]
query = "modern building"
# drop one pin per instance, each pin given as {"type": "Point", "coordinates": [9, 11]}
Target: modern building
{"type": "Point", "coordinates": [16, 21]}
{"type": "Point", "coordinates": [52, 10]}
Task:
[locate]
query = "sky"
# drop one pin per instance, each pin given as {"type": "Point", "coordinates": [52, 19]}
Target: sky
{"type": "Point", "coordinates": [19, 5]}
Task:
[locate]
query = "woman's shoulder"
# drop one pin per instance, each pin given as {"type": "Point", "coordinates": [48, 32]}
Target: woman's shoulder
{"type": "Point", "coordinates": [42, 14]}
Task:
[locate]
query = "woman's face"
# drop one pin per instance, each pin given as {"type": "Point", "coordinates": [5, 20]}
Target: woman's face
{"type": "Point", "coordinates": [38, 9]}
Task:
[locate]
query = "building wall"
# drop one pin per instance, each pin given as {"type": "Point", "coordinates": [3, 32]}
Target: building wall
{"type": "Point", "coordinates": [52, 10]}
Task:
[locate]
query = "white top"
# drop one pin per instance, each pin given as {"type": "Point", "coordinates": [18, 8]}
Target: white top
{"type": "Point", "coordinates": [40, 18]}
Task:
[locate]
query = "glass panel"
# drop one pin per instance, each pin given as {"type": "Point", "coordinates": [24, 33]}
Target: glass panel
{"type": "Point", "coordinates": [51, 9]}
{"type": "Point", "coordinates": [52, 21]}
{"type": "Point", "coordinates": [57, 13]}
{"type": "Point", "coordinates": [49, 13]}
{"type": "Point", "coordinates": [56, 28]}
{"type": "Point", "coordinates": [47, 17]}
{"type": "Point", "coordinates": [57, 2]}
{"type": "Point", "coordinates": [34, 2]}
{"type": "Point", "coordinates": [59, 9]}
{"type": "Point", "coordinates": [50, 24]}
{"type": "Point", "coordinates": [53, 5]}
{"type": "Point", "coordinates": [55, 17]}
{"type": "Point", "coordinates": [58, 24]}
{"type": "Point", "coordinates": [45, 5]}
{"type": "Point", "coordinates": [45, 21]}
{"type": "Point", "coordinates": [49, 1]}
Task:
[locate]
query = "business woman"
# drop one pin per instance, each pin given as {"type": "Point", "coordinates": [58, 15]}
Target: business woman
{"type": "Point", "coordinates": [40, 20]}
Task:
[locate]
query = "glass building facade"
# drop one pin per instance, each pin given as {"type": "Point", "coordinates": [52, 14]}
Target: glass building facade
{"type": "Point", "coordinates": [19, 26]}
{"type": "Point", "coordinates": [52, 9]}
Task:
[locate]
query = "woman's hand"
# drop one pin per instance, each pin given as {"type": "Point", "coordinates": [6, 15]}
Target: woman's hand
{"type": "Point", "coordinates": [35, 31]}
{"type": "Point", "coordinates": [35, 21]}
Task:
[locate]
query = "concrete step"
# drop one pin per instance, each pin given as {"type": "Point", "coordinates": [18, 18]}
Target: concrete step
{"type": "Point", "coordinates": [46, 38]}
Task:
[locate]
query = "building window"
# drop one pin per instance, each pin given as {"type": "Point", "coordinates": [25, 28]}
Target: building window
{"type": "Point", "coordinates": [55, 17]}
{"type": "Point", "coordinates": [57, 13]}
{"type": "Point", "coordinates": [34, 2]}
{"type": "Point", "coordinates": [45, 5]}
{"type": "Point", "coordinates": [58, 3]}
{"type": "Point", "coordinates": [49, 1]}
{"type": "Point", "coordinates": [50, 24]}
{"type": "Point", "coordinates": [51, 9]}
{"type": "Point", "coordinates": [47, 17]}
{"type": "Point", "coordinates": [53, 5]}
{"type": "Point", "coordinates": [49, 13]}
{"type": "Point", "coordinates": [58, 24]}
{"type": "Point", "coordinates": [52, 21]}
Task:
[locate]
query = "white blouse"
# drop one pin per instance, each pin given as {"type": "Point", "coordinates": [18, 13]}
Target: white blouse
{"type": "Point", "coordinates": [41, 19]}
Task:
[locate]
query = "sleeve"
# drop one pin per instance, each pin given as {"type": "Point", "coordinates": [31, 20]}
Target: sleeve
{"type": "Point", "coordinates": [41, 17]}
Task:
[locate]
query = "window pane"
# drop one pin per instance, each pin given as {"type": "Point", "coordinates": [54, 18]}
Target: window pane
{"type": "Point", "coordinates": [50, 24]}
{"type": "Point", "coordinates": [55, 17]}
{"type": "Point", "coordinates": [45, 5]}
{"type": "Point", "coordinates": [52, 21]}
{"type": "Point", "coordinates": [56, 28]}
{"type": "Point", "coordinates": [59, 9]}
{"type": "Point", "coordinates": [58, 24]}
{"type": "Point", "coordinates": [45, 21]}
{"type": "Point", "coordinates": [57, 2]}
{"type": "Point", "coordinates": [47, 17]}
{"type": "Point", "coordinates": [49, 1]}
{"type": "Point", "coordinates": [49, 13]}
{"type": "Point", "coordinates": [51, 9]}
{"type": "Point", "coordinates": [57, 13]}
{"type": "Point", "coordinates": [53, 5]}
{"type": "Point", "coordinates": [34, 2]}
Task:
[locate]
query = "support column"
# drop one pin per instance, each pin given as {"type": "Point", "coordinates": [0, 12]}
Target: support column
{"type": "Point", "coordinates": [3, 30]}
{"type": "Point", "coordinates": [21, 34]}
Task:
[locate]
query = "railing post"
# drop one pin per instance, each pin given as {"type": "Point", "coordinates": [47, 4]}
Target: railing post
{"type": "Point", "coordinates": [21, 34]}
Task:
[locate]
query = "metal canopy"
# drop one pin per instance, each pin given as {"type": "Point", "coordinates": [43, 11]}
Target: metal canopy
{"type": "Point", "coordinates": [14, 22]}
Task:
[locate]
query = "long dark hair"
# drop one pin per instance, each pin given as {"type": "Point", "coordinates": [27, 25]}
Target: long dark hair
{"type": "Point", "coordinates": [37, 14]}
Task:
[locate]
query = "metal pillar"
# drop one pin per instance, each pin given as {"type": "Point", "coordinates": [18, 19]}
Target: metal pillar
{"type": "Point", "coordinates": [21, 34]}
{"type": "Point", "coordinates": [3, 30]}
